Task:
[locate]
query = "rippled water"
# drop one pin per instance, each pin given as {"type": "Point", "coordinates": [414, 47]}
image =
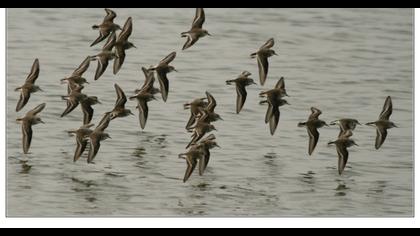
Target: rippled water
{"type": "Point", "coordinates": [343, 61]}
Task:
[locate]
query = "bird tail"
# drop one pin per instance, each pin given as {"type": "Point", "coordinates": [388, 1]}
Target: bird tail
{"type": "Point", "coordinates": [229, 82]}
{"type": "Point", "coordinates": [301, 124]}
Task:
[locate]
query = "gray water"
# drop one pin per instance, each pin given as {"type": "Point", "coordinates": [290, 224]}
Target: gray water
{"type": "Point", "coordinates": [343, 61]}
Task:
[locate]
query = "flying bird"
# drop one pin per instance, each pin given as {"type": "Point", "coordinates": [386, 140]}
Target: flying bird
{"type": "Point", "coordinates": [28, 87]}
{"type": "Point", "coordinates": [123, 44]}
{"type": "Point", "coordinates": [107, 27]}
{"type": "Point", "coordinates": [312, 125]}
{"type": "Point", "coordinates": [383, 123]}
{"type": "Point", "coordinates": [119, 108]}
{"type": "Point", "coordinates": [105, 56]}
{"type": "Point", "coordinates": [27, 121]}
{"type": "Point", "coordinates": [262, 56]}
{"type": "Point", "coordinates": [162, 69]}
{"type": "Point", "coordinates": [97, 136]}
{"type": "Point", "coordinates": [241, 82]}
{"type": "Point", "coordinates": [342, 143]}
{"type": "Point", "coordinates": [196, 32]}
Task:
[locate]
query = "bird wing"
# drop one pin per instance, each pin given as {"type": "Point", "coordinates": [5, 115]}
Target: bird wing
{"type": "Point", "coordinates": [150, 79]}
{"type": "Point", "coordinates": [103, 34]}
{"type": "Point", "coordinates": [27, 136]}
{"type": "Point", "coordinates": [199, 18]}
{"type": "Point", "coordinates": [262, 67]}
{"type": "Point", "coordinates": [191, 40]}
{"type": "Point", "coordinates": [143, 112]}
{"type": "Point", "coordinates": [110, 15]}
{"type": "Point", "coordinates": [36, 110]}
{"type": "Point", "coordinates": [121, 98]}
{"type": "Point", "coordinates": [33, 75]}
{"type": "Point", "coordinates": [80, 147]}
{"type": "Point", "coordinates": [94, 148]}
{"type": "Point", "coordinates": [119, 59]}
{"type": "Point", "coordinates": [103, 124]}
{"type": "Point", "coordinates": [269, 44]}
{"type": "Point", "coordinates": [164, 84]}
{"type": "Point", "coordinates": [343, 155]}
{"type": "Point", "coordinates": [315, 113]}
{"type": "Point", "coordinates": [72, 103]}
{"type": "Point", "coordinates": [102, 65]}
{"type": "Point", "coordinates": [274, 121]}
{"type": "Point", "coordinates": [241, 97]}
{"type": "Point", "coordinates": [191, 164]}
{"type": "Point", "coordinates": [280, 84]}
{"type": "Point", "coordinates": [387, 110]}
{"type": "Point", "coordinates": [126, 31]}
{"type": "Point", "coordinates": [87, 112]}
{"type": "Point", "coordinates": [313, 138]}
{"type": "Point", "coordinates": [23, 99]}
{"type": "Point", "coordinates": [82, 67]}
{"type": "Point", "coordinates": [168, 59]}
{"type": "Point", "coordinates": [110, 43]}
{"type": "Point", "coordinates": [381, 134]}
{"type": "Point", "coordinates": [212, 102]}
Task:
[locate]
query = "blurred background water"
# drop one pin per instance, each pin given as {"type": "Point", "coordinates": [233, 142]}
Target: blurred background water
{"type": "Point", "coordinates": [343, 61]}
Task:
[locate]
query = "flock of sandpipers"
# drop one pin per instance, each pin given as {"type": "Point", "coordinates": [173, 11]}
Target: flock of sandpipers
{"type": "Point", "coordinates": [202, 109]}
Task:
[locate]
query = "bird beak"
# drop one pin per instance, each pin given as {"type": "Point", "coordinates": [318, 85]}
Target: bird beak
{"type": "Point", "coordinates": [275, 54]}
{"type": "Point", "coordinates": [356, 144]}
{"type": "Point", "coordinates": [221, 118]}
{"type": "Point", "coordinates": [209, 34]}
{"type": "Point", "coordinates": [217, 145]}
{"type": "Point", "coordinates": [99, 102]}
{"type": "Point", "coordinates": [41, 90]}
{"type": "Point", "coordinates": [87, 82]}
{"type": "Point", "coordinates": [42, 122]}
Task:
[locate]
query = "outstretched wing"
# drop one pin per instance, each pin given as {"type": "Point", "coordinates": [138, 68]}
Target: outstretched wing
{"type": "Point", "coordinates": [199, 18]}
{"type": "Point", "coordinates": [33, 75]}
{"type": "Point", "coordinates": [387, 110]}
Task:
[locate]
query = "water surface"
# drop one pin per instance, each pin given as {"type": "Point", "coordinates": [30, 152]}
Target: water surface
{"type": "Point", "coordinates": [343, 61]}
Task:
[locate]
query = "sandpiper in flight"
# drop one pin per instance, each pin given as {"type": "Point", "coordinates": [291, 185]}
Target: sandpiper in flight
{"type": "Point", "coordinates": [107, 27]}
{"type": "Point", "coordinates": [241, 82]}
{"type": "Point", "coordinates": [196, 32]}
{"type": "Point", "coordinates": [27, 121]}
{"type": "Point", "coordinates": [119, 108]}
{"type": "Point", "coordinates": [82, 135]}
{"type": "Point", "coordinates": [29, 86]}
{"type": "Point", "coordinates": [262, 56]}
{"type": "Point", "coordinates": [342, 143]}
{"type": "Point", "coordinates": [123, 44]}
{"type": "Point", "coordinates": [383, 123]}
{"type": "Point", "coordinates": [97, 136]}
{"type": "Point", "coordinates": [105, 56]}
{"type": "Point", "coordinates": [162, 69]}
{"type": "Point", "coordinates": [312, 125]}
